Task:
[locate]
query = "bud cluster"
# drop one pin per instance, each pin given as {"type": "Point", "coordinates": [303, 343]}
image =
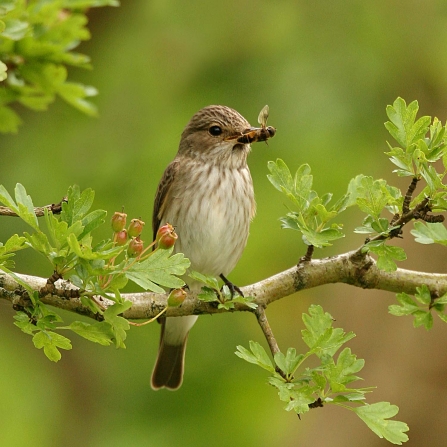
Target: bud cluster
{"type": "Point", "coordinates": [131, 234]}
{"type": "Point", "coordinates": [165, 238]}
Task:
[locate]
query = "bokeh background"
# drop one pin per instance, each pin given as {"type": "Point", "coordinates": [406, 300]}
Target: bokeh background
{"type": "Point", "coordinates": [327, 71]}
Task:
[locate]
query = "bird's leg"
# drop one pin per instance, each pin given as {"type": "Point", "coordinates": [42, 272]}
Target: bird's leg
{"type": "Point", "coordinates": [233, 288]}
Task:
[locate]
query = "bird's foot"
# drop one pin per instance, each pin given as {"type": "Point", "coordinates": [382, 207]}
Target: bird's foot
{"type": "Point", "coordinates": [233, 288]}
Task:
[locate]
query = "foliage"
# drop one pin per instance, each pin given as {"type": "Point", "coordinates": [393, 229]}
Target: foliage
{"type": "Point", "coordinates": [211, 293]}
{"type": "Point", "coordinates": [37, 39]}
{"type": "Point", "coordinates": [327, 383]}
{"type": "Point", "coordinates": [100, 270]}
{"type": "Point", "coordinates": [422, 314]}
{"type": "Point", "coordinates": [422, 143]}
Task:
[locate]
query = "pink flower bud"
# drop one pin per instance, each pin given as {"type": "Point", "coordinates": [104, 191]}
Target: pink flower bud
{"type": "Point", "coordinates": [176, 297]}
{"type": "Point", "coordinates": [135, 247]}
{"type": "Point", "coordinates": [121, 237]}
{"type": "Point", "coordinates": [135, 227]}
{"type": "Point", "coordinates": [118, 221]}
{"type": "Point", "coordinates": [166, 236]}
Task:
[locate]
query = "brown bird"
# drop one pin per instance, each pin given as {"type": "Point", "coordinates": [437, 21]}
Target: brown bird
{"type": "Point", "coordinates": [206, 193]}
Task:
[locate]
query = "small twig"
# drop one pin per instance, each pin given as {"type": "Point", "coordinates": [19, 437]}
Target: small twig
{"type": "Point", "coordinates": [151, 320]}
{"type": "Point", "coordinates": [308, 256]}
{"type": "Point", "coordinates": [39, 211]}
{"type": "Point", "coordinates": [268, 333]}
{"type": "Point", "coordinates": [409, 195]}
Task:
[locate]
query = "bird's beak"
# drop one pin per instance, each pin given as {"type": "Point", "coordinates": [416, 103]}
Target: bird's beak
{"type": "Point", "coordinates": [253, 135]}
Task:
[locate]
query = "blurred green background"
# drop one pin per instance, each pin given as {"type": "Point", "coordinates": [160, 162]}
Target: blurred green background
{"type": "Point", "coordinates": [327, 71]}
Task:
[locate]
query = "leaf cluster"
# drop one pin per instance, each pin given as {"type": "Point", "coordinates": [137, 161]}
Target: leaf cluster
{"type": "Point", "coordinates": [311, 214]}
{"type": "Point", "coordinates": [37, 42]}
{"type": "Point", "coordinates": [421, 308]}
{"type": "Point", "coordinates": [223, 297]}
{"type": "Point", "coordinates": [330, 381]}
{"type": "Point", "coordinates": [98, 270]}
{"type": "Point", "coordinates": [422, 146]}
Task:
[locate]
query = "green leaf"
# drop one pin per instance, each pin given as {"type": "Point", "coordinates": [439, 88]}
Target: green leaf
{"type": "Point", "coordinates": [210, 281]}
{"type": "Point", "coordinates": [100, 332]}
{"type": "Point", "coordinates": [258, 356]}
{"type": "Point", "coordinates": [430, 233]}
{"type": "Point", "coordinates": [343, 371]}
{"type": "Point", "coordinates": [118, 325]}
{"type": "Point", "coordinates": [408, 306]}
{"type": "Point", "coordinates": [322, 238]}
{"type": "Point", "coordinates": [23, 322]}
{"type": "Point", "coordinates": [423, 295]}
{"type": "Point", "coordinates": [296, 189]}
{"type": "Point", "coordinates": [386, 254]}
{"type": "Point", "coordinates": [39, 242]}
{"type": "Point", "coordinates": [50, 342]}
{"type": "Point", "coordinates": [160, 269]}
{"type": "Point", "coordinates": [376, 418]}
{"type": "Point", "coordinates": [7, 200]}
{"type": "Point", "coordinates": [298, 400]}
{"type": "Point", "coordinates": [319, 335]}
{"type": "Point", "coordinates": [86, 252]}
{"type": "Point", "coordinates": [15, 29]}
{"type": "Point", "coordinates": [423, 318]}
{"type": "Point", "coordinates": [208, 295]}
{"type": "Point", "coordinates": [373, 196]}
{"type": "Point", "coordinates": [75, 95]}
{"type": "Point", "coordinates": [3, 71]}
{"type": "Point", "coordinates": [288, 363]}
{"type": "Point", "coordinates": [402, 125]}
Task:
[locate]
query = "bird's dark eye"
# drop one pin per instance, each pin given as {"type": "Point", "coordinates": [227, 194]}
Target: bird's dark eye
{"type": "Point", "coordinates": [215, 131]}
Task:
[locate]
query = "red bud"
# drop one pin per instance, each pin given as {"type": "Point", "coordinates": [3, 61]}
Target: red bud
{"type": "Point", "coordinates": [135, 247]}
{"type": "Point", "coordinates": [135, 227]}
{"type": "Point", "coordinates": [118, 221]}
{"type": "Point", "coordinates": [121, 237]}
{"type": "Point", "coordinates": [176, 297]}
{"type": "Point", "coordinates": [166, 236]}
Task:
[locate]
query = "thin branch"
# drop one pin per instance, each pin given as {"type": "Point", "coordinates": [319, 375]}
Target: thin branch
{"type": "Point", "coordinates": [55, 208]}
{"type": "Point", "coordinates": [268, 333]}
{"type": "Point", "coordinates": [354, 268]}
{"type": "Point", "coordinates": [265, 326]}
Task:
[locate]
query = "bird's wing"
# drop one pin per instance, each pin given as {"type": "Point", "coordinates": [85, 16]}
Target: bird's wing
{"type": "Point", "coordinates": [162, 195]}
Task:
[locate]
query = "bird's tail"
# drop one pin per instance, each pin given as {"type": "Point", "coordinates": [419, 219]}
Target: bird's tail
{"type": "Point", "coordinates": [168, 369]}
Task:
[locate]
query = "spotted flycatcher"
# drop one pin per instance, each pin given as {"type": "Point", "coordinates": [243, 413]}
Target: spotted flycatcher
{"type": "Point", "coordinates": [206, 193]}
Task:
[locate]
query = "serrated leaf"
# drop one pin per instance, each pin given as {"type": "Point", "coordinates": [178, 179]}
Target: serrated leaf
{"type": "Point", "coordinates": [208, 280]}
{"type": "Point", "coordinates": [430, 233]}
{"type": "Point", "coordinates": [51, 342]}
{"type": "Point", "coordinates": [423, 295]}
{"type": "Point", "coordinates": [342, 372]}
{"type": "Point", "coordinates": [289, 362]}
{"type": "Point", "coordinates": [423, 318]}
{"type": "Point", "coordinates": [25, 206]}
{"type": "Point", "coordinates": [386, 254]}
{"type": "Point", "coordinates": [118, 324]}
{"type": "Point", "coordinates": [402, 125]}
{"type": "Point", "coordinates": [100, 332]}
{"type": "Point", "coordinates": [376, 418]}
{"type": "Point", "coordinates": [160, 269]}
{"type": "Point", "coordinates": [23, 322]}
{"type": "Point", "coordinates": [408, 305]}
{"type": "Point", "coordinates": [319, 335]}
{"type": "Point", "coordinates": [258, 356]}
{"type": "Point", "coordinates": [207, 294]}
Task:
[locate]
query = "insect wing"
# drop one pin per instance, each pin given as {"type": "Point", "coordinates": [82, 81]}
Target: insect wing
{"type": "Point", "coordinates": [263, 116]}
